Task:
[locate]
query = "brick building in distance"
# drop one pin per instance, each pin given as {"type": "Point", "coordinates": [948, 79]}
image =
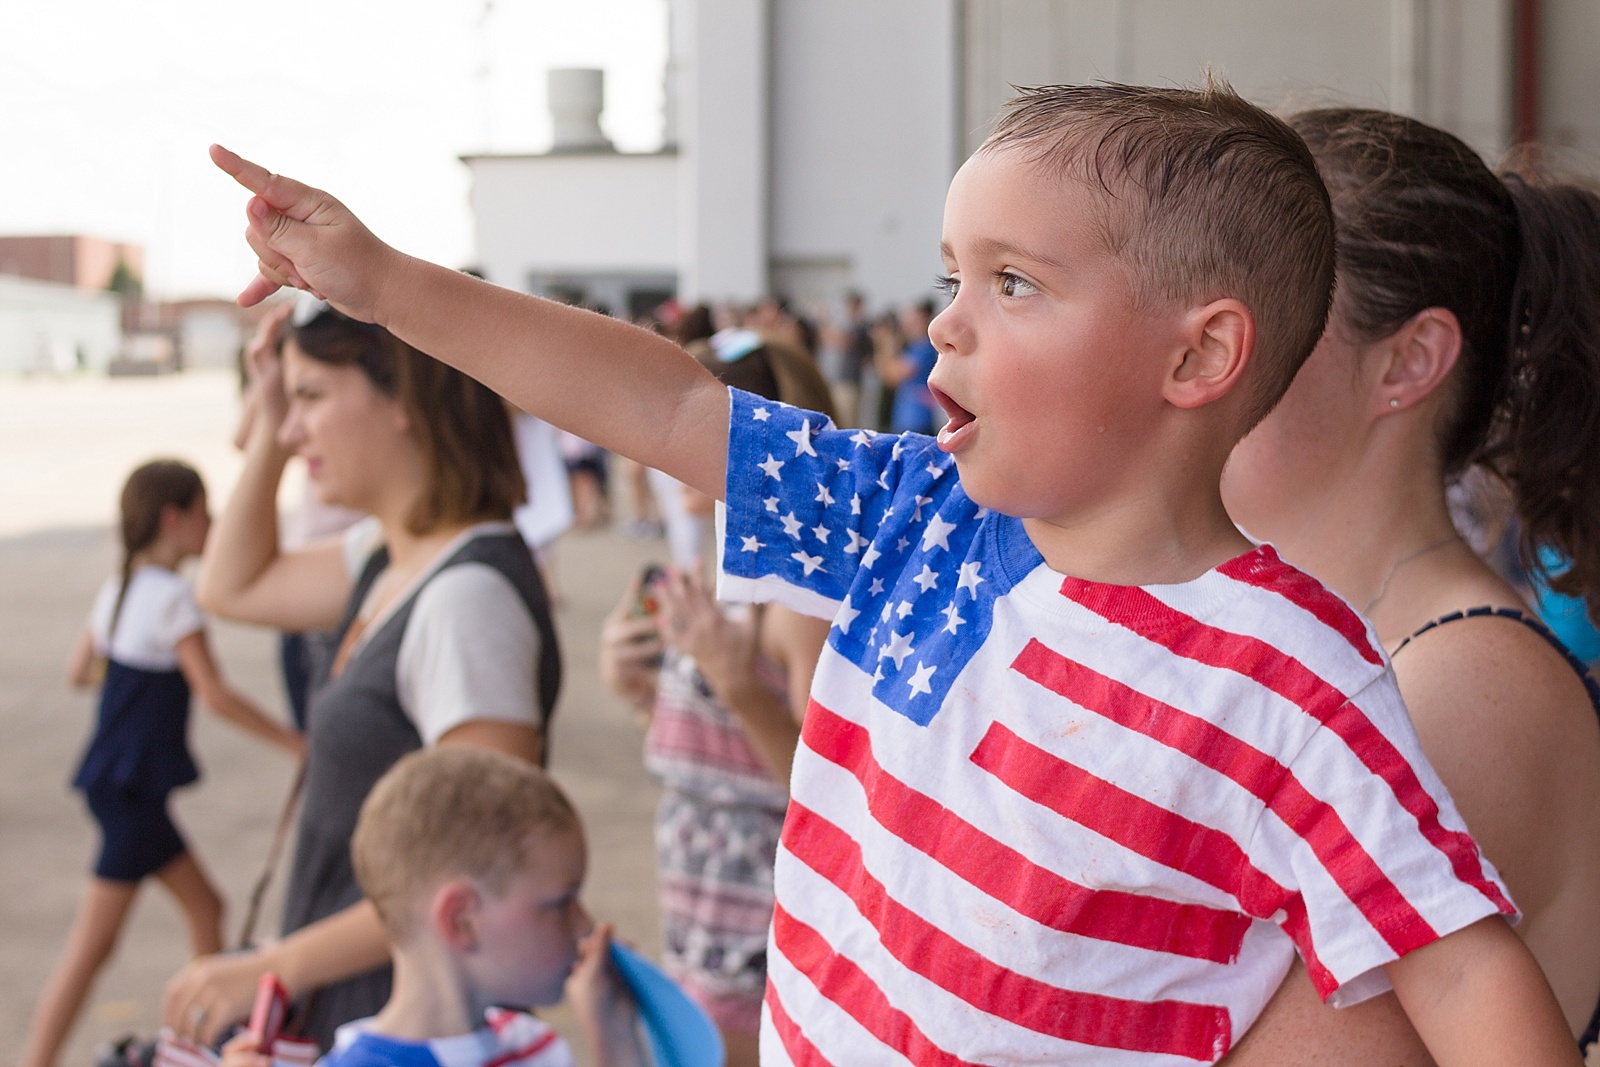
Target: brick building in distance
{"type": "Point", "coordinates": [69, 259]}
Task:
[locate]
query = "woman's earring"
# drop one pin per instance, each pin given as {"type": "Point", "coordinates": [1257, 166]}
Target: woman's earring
{"type": "Point", "coordinates": [1394, 401]}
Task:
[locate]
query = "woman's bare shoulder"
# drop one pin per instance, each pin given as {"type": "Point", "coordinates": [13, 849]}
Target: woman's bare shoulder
{"type": "Point", "coordinates": [1506, 721]}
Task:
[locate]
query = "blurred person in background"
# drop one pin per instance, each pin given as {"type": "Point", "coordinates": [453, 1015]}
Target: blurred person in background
{"type": "Point", "coordinates": [1465, 332]}
{"type": "Point", "coordinates": [445, 632]}
{"type": "Point", "coordinates": [848, 348]}
{"type": "Point", "coordinates": [904, 358]}
{"type": "Point", "coordinates": [145, 645]}
{"type": "Point", "coordinates": [724, 689]}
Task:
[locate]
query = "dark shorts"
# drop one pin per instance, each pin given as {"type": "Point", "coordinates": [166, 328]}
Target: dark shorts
{"type": "Point", "coordinates": [137, 836]}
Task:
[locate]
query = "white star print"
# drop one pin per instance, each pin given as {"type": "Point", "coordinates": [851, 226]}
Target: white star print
{"type": "Point", "coordinates": [855, 504]}
{"type": "Point", "coordinates": [904, 609]}
{"type": "Point", "coordinates": [888, 610]}
{"type": "Point", "coordinates": [899, 447]}
{"type": "Point", "coordinates": [821, 533]}
{"type": "Point", "coordinates": [761, 414]}
{"type": "Point", "coordinates": [772, 467]}
{"type": "Point", "coordinates": [810, 563]}
{"type": "Point", "coordinates": [861, 438]}
{"type": "Point", "coordinates": [969, 579]}
{"type": "Point", "coordinates": [898, 648]}
{"type": "Point", "coordinates": [824, 497]}
{"type": "Point", "coordinates": [877, 675]}
{"type": "Point", "coordinates": [752, 545]}
{"type": "Point", "coordinates": [791, 526]}
{"type": "Point", "coordinates": [857, 542]}
{"type": "Point", "coordinates": [876, 588]}
{"type": "Point", "coordinates": [927, 579]}
{"type": "Point", "coordinates": [870, 556]}
{"type": "Point", "coordinates": [937, 533]}
{"type": "Point", "coordinates": [916, 516]}
{"type": "Point", "coordinates": [847, 615]}
{"type": "Point", "coordinates": [772, 504]}
{"type": "Point", "coordinates": [934, 469]}
{"type": "Point", "coordinates": [844, 464]}
{"type": "Point", "coordinates": [883, 479]}
{"type": "Point", "coordinates": [901, 545]}
{"type": "Point", "coordinates": [919, 680]}
{"type": "Point", "coordinates": [802, 439]}
{"type": "Point", "coordinates": [955, 621]}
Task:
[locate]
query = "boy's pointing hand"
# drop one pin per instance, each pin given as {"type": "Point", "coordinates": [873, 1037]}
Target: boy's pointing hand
{"type": "Point", "coordinates": [305, 239]}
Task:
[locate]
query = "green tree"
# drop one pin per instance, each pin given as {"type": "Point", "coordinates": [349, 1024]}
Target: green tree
{"type": "Point", "coordinates": [125, 281]}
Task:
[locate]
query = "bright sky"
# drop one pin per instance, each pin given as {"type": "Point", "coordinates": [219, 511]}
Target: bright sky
{"type": "Point", "coordinates": [106, 108]}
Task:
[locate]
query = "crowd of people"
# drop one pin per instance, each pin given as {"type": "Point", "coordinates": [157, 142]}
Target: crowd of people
{"type": "Point", "coordinates": [1107, 666]}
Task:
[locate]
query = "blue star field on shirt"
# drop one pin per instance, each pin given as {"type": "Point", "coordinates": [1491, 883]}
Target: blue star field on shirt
{"type": "Point", "coordinates": [910, 601]}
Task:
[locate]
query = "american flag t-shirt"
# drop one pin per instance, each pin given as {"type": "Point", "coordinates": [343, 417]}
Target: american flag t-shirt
{"type": "Point", "coordinates": [1041, 820]}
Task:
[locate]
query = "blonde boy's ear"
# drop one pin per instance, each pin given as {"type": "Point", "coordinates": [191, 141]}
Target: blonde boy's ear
{"type": "Point", "coordinates": [453, 914]}
{"type": "Point", "coordinates": [1220, 339]}
{"type": "Point", "coordinates": [1419, 358]}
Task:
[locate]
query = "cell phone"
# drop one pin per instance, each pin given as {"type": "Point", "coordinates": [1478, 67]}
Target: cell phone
{"type": "Point", "coordinates": [267, 1017]}
{"type": "Point", "coordinates": [647, 603]}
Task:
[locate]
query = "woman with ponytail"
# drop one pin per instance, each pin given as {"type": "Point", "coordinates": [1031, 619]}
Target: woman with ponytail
{"type": "Point", "coordinates": [149, 637]}
{"type": "Point", "coordinates": [1465, 336]}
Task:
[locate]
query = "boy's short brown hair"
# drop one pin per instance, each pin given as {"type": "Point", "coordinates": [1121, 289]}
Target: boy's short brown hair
{"type": "Point", "coordinates": [452, 812]}
{"type": "Point", "coordinates": [1206, 195]}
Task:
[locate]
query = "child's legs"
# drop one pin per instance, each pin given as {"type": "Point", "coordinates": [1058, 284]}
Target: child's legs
{"type": "Point", "coordinates": [201, 904]}
{"type": "Point", "coordinates": [93, 938]}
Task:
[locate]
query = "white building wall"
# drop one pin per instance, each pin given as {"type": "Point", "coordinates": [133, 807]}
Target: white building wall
{"type": "Point", "coordinates": [721, 59]}
{"type": "Point", "coordinates": [56, 329]}
{"type": "Point", "coordinates": [589, 213]}
{"type": "Point", "coordinates": [864, 142]}
{"type": "Point", "coordinates": [1570, 118]}
{"type": "Point", "coordinates": [1444, 61]}
{"type": "Point", "coordinates": [210, 337]}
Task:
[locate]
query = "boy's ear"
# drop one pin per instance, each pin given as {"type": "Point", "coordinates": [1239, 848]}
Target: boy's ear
{"type": "Point", "coordinates": [1220, 338]}
{"type": "Point", "coordinates": [454, 914]}
{"type": "Point", "coordinates": [1419, 358]}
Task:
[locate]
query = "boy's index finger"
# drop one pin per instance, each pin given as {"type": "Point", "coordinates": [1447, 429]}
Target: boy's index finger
{"type": "Point", "coordinates": [285, 195]}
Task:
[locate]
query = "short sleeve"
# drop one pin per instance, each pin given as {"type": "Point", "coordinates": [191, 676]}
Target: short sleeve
{"type": "Point", "coordinates": [810, 506]}
{"type": "Point", "coordinates": [1361, 855]}
{"type": "Point", "coordinates": [180, 616]}
{"type": "Point", "coordinates": [470, 652]}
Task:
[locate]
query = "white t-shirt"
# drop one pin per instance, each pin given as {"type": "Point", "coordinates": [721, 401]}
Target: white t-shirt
{"type": "Point", "coordinates": [470, 650]}
{"type": "Point", "coordinates": [1036, 819]}
{"type": "Point", "coordinates": [157, 612]}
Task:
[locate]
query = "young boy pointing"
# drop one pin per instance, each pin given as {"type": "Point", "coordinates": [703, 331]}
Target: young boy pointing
{"type": "Point", "coordinates": [1082, 767]}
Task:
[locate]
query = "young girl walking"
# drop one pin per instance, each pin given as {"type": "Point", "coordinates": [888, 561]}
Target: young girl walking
{"type": "Point", "coordinates": [149, 636]}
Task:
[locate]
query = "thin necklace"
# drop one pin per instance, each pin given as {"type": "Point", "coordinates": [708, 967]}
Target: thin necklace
{"type": "Point", "coordinates": [1383, 587]}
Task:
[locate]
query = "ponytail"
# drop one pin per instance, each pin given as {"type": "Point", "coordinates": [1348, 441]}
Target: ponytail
{"type": "Point", "coordinates": [1422, 222]}
{"type": "Point", "coordinates": [1545, 441]}
{"type": "Point", "coordinates": [149, 490]}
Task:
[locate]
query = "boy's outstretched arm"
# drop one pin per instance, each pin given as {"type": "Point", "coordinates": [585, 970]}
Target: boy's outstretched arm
{"type": "Point", "coordinates": [622, 387]}
{"type": "Point", "coordinates": [1477, 996]}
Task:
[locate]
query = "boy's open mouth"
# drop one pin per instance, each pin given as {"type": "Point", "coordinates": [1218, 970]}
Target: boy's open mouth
{"type": "Point", "coordinates": [957, 418]}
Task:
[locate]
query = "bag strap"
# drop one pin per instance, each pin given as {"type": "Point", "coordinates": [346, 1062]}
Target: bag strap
{"type": "Point", "coordinates": [280, 835]}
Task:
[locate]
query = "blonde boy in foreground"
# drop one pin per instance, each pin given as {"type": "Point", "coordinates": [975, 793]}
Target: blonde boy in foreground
{"type": "Point", "coordinates": [1082, 767]}
{"type": "Point", "coordinates": [474, 861]}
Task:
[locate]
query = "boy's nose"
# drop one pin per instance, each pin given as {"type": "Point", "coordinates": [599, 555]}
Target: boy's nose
{"type": "Point", "coordinates": [948, 330]}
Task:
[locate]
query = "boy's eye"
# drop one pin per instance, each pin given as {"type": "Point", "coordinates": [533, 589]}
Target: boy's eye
{"type": "Point", "coordinates": [1011, 285]}
{"type": "Point", "coordinates": [946, 284]}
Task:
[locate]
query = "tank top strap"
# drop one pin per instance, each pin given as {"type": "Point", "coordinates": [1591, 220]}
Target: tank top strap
{"type": "Point", "coordinates": [1532, 622]}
